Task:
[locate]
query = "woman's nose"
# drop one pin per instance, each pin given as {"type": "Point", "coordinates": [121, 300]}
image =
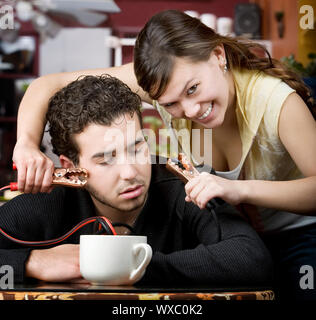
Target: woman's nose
{"type": "Point", "coordinates": [191, 110]}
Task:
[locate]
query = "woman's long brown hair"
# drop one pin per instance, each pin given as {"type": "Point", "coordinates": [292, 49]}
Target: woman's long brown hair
{"type": "Point", "coordinates": [172, 33]}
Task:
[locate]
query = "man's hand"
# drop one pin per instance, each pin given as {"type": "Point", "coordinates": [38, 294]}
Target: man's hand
{"type": "Point", "coordinates": [58, 264]}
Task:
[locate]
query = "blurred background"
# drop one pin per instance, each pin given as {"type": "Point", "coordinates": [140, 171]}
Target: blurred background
{"type": "Point", "coordinates": [39, 37]}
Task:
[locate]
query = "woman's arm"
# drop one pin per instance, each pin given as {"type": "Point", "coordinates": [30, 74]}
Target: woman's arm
{"type": "Point", "coordinates": [34, 168]}
{"type": "Point", "coordinates": [297, 131]}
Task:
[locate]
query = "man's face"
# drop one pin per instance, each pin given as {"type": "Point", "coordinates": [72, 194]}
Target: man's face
{"type": "Point", "coordinates": [118, 161]}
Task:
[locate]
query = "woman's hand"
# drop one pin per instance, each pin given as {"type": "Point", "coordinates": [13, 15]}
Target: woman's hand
{"type": "Point", "coordinates": [35, 169]}
{"type": "Point", "coordinates": [206, 186]}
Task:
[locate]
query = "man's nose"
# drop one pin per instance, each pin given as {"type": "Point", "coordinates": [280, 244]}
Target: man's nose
{"type": "Point", "coordinates": [191, 110]}
{"type": "Point", "coordinates": [128, 171]}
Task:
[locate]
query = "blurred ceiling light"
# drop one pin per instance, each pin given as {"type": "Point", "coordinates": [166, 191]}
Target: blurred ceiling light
{"type": "Point", "coordinates": [40, 21]}
{"type": "Point", "coordinates": [45, 26]}
{"type": "Point", "coordinates": [24, 10]}
{"type": "Point", "coordinates": [95, 5]}
{"type": "Point", "coordinates": [87, 18]}
{"type": "Point", "coordinates": [42, 14]}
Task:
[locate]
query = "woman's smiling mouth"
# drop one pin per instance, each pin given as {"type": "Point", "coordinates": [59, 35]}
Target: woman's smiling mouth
{"type": "Point", "coordinates": [207, 112]}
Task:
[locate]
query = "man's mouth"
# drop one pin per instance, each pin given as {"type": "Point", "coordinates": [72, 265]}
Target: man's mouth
{"type": "Point", "coordinates": [132, 192]}
{"type": "Point", "coordinates": [207, 112]}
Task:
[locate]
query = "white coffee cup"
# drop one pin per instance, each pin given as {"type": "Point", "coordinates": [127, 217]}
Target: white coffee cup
{"type": "Point", "coordinates": [114, 259]}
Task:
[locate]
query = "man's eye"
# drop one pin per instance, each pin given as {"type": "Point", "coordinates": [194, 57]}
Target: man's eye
{"type": "Point", "coordinates": [192, 89]}
{"type": "Point", "coordinates": [106, 162]}
{"type": "Point", "coordinates": [140, 148]}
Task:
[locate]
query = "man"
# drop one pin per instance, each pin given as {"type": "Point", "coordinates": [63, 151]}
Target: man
{"type": "Point", "coordinates": [95, 123]}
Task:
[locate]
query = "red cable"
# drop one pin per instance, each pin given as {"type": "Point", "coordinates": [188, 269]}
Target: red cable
{"type": "Point", "coordinates": [62, 238]}
{"type": "Point", "coordinates": [6, 187]}
{"type": "Point", "coordinates": [13, 186]}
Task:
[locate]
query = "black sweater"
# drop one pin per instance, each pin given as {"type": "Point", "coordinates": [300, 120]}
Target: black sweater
{"type": "Point", "coordinates": [183, 237]}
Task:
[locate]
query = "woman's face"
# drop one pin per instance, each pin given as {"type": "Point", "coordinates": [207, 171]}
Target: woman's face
{"type": "Point", "coordinates": [199, 91]}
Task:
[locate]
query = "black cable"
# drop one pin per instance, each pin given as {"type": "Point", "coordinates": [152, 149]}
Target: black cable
{"type": "Point", "coordinates": [127, 226]}
{"type": "Point", "coordinates": [210, 206]}
{"type": "Point", "coordinates": [104, 225]}
{"type": "Point", "coordinates": [106, 229]}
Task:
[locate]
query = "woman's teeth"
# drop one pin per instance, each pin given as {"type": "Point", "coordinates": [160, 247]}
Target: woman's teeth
{"type": "Point", "coordinates": [206, 113]}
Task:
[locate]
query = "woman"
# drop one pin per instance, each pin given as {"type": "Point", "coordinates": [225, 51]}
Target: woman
{"type": "Point", "coordinates": [263, 134]}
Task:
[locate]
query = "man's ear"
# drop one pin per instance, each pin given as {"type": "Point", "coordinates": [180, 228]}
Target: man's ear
{"type": "Point", "coordinates": [66, 162]}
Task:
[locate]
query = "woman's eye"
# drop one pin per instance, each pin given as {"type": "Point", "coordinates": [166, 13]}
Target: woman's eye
{"type": "Point", "coordinates": [166, 105]}
{"type": "Point", "coordinates": [192, 89]}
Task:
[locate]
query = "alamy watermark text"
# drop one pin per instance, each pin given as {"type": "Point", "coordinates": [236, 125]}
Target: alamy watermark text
{"type": "Point", "coordinates": [6, 17]}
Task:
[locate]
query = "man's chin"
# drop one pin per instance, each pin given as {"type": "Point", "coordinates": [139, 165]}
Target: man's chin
{"type": "Point", "coordinates": [133, 205]}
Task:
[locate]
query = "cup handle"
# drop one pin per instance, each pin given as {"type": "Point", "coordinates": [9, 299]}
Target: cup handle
{"type": "Point", "coordinates": [137, 273]}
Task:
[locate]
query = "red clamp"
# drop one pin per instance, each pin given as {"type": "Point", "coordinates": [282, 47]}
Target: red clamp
{"type": "Point", "coordinates": [70, 177]}
{"type": "Point", "coordinates": [14, 186]}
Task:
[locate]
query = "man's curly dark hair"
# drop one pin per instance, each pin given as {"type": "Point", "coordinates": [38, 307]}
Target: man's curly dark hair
{"type": "Point", "coordinates": [89, 99]}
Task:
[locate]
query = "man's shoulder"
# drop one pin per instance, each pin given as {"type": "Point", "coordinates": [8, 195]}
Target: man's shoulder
{"type": "Point", "coordinates": [57, 195]}
{"type": "Point", "coordinates": [61, 204]}
{"type": "Point", "coordinates": [166, 188]}
{"type": "Point", "coordinates": [161, 175]}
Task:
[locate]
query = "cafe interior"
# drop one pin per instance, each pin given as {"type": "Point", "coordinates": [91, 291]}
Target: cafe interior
{"type": "Point", "coordinates": [41, 37]}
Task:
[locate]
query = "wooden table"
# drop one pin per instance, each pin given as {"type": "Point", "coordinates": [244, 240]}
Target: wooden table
{"type": "Point", "coordinates": [47, 291]}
